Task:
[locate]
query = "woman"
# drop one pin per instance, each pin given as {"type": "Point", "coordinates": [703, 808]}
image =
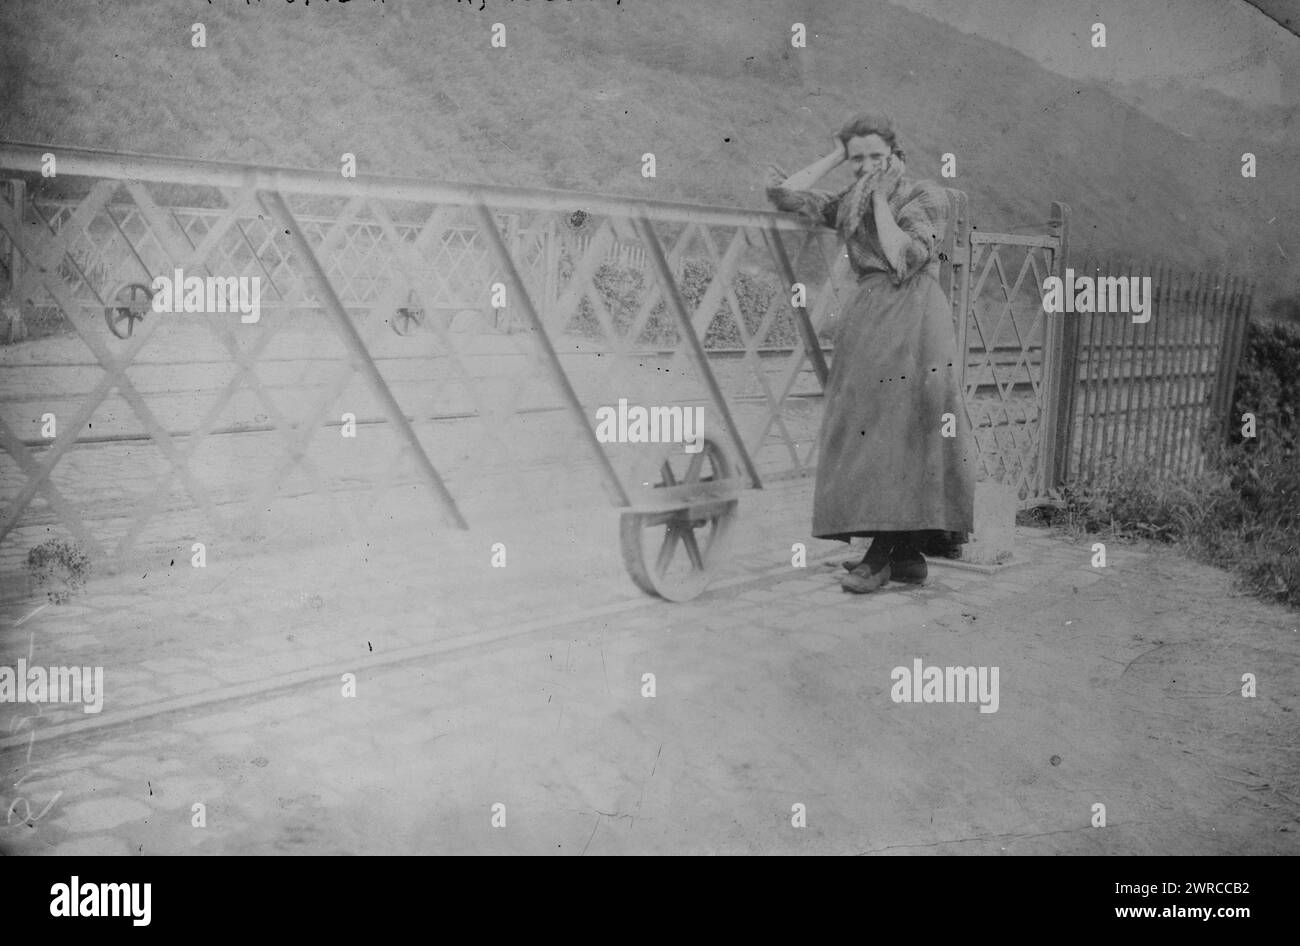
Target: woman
{"type": "Point", "coordinates": [886, 468]}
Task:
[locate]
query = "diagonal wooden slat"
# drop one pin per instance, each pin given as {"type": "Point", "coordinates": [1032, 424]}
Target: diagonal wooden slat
{"type": "Point", "coordinates": [32, 470]}
{"type": "Point", "coordinates": [583, 273]}
{"type": "Point", "coordinates": [176, 243]}
{"type": "Point", "coordinates": [343, 324]}
{"type": "Point", "coordinates": [723, 274]}
{"type": "Point", "coordinates": [119, 237]}
{"type": "Point", "coordinates": [625, 230]}
{"type": "Point", "coordinates": [693, 347]}
{"type": "Point", "coordinates": [806, 324]}
{"type": "Point", "coordinates": [828, 297]}
{"type": "Point", "coordinates": [620, 371]}
{"type": "Point", "coordinates": [87, 209]}
{"type": "Point", "coordinates": [334, 237]}
{"type": "Point", "coordinates": [307, 429]}
{"type": "Point", "coordinates": [552, 362]}
{"type": "Point", "coordinates": [46, 255]}
{"type": "Point", "coordinates": [33, 247]}
{"type": "Point", "coordinates": [705, 312]}
{"type": "Point", "coordinates": [407, 264]}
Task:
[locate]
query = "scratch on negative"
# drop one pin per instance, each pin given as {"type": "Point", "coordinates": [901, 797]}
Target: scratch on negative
{"type": "Point", "coordinates": [653, 769]}
{"type": "Point", "coordinates": [33, 614]}
{"type": "Point", "coordinates": [1145, 653]}
{"type": "Point", "coordinates": [589, 837]}
{"type": "Point", "coordinates": [603, 669]}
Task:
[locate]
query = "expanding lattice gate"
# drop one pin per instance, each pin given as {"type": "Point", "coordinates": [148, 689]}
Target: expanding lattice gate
{"type": "Point", "coordinates": [367, 287]}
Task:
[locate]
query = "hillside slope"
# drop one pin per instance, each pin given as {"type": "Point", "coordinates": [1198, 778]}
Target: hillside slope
{"type": "Point", "coordinates": [583, 89]}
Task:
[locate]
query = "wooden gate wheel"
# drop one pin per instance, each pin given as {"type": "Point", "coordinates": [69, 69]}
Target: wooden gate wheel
{"type": "Point", "coordinates": [130, 303]}
{"type": "Point", "coordinates": [406, 320]}
{"type": "Point", "coordinates": [676, 535]}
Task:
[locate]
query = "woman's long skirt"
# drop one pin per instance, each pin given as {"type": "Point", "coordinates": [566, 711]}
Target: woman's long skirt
{"type": "Point", "coordinates": [889, 460]}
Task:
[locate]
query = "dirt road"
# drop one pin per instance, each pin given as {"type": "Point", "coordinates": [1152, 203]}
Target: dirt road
{"type": "Point", "coordinates": [526, 688]}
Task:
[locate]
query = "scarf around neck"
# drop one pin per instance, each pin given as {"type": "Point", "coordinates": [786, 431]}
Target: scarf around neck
{"type": "Point", "coordinates": [854, 198]}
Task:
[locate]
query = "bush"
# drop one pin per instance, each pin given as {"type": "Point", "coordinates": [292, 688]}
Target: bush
{"type": "Point", "coordinates": [61, 564]}
{"type": "Point", "coordinates": [622, 289]}
{"type": "Point", "coordinates": [1268, 384]}
{"type": "Point", "coordinates": [1285, 309]}
{"type": "Point", "coordinates": [22, 320]}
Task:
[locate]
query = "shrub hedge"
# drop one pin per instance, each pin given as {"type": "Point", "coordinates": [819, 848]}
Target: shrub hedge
{"type": "Point", "coordinates": [622, 289]}
{"type": "Point", "coordinates": [1268, 383]}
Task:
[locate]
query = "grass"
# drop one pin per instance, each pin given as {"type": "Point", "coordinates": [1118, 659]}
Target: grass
{"type": "Point", "coordinates": [583, 90]}
{"type": "Point", "coordinates": [1242, 514]}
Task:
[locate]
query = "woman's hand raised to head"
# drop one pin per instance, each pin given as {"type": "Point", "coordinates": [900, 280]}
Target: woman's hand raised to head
{"type": "Point", "coordinates": [839, 149]}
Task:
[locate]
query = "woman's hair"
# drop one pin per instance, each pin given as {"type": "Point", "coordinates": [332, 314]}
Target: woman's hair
{"type": "Point", "coordinates": [869, 123]}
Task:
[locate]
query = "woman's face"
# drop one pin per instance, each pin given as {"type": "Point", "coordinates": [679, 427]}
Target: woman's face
{"type": "Point", "coordinates": [867, 153]}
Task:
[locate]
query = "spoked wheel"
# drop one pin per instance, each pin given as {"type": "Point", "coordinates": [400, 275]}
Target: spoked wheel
{"type": "Point", "coordinates": [130, 303]}
{"type": "Point", "coordinates": [676, 539]}
{"type": "Point", "coordinates": [407, 319]}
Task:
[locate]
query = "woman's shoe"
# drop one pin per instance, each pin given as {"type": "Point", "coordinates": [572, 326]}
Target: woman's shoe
{"type": "Point", "coordinates": [911, 571]}
{"type": "Point", "coordinates": [908, 566]}
{"type": "Point", "coordinates": [862, 580]}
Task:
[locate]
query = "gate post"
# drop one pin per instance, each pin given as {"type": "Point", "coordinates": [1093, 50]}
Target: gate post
{"type": "Point", "coordinates": [1060, 357]}
{"type": "Point", "coordinates": [13, 261]}
{"type": "Point", "coordinates": [957, 248]}
{"type": "Point", "coordinates": [1239, 296]}
{"type": "Point", "coordinates": [551, 263]}
{"type": "Point", "coordinates": [14, 307]}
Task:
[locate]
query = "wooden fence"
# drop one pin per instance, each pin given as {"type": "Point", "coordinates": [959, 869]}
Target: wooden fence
{"type": "Point", "coordinates": [620, 254]}
{"type": "Point", "coordinates": [1150, 393]}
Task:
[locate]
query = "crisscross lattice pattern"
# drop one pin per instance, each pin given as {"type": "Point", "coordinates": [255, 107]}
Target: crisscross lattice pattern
{"type": "Point", "coordinates": [377, 305]}
{"type": "Point", "coordinates": [200, 413]}
{"type": "Point", "coordinates": [1004, 376]}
